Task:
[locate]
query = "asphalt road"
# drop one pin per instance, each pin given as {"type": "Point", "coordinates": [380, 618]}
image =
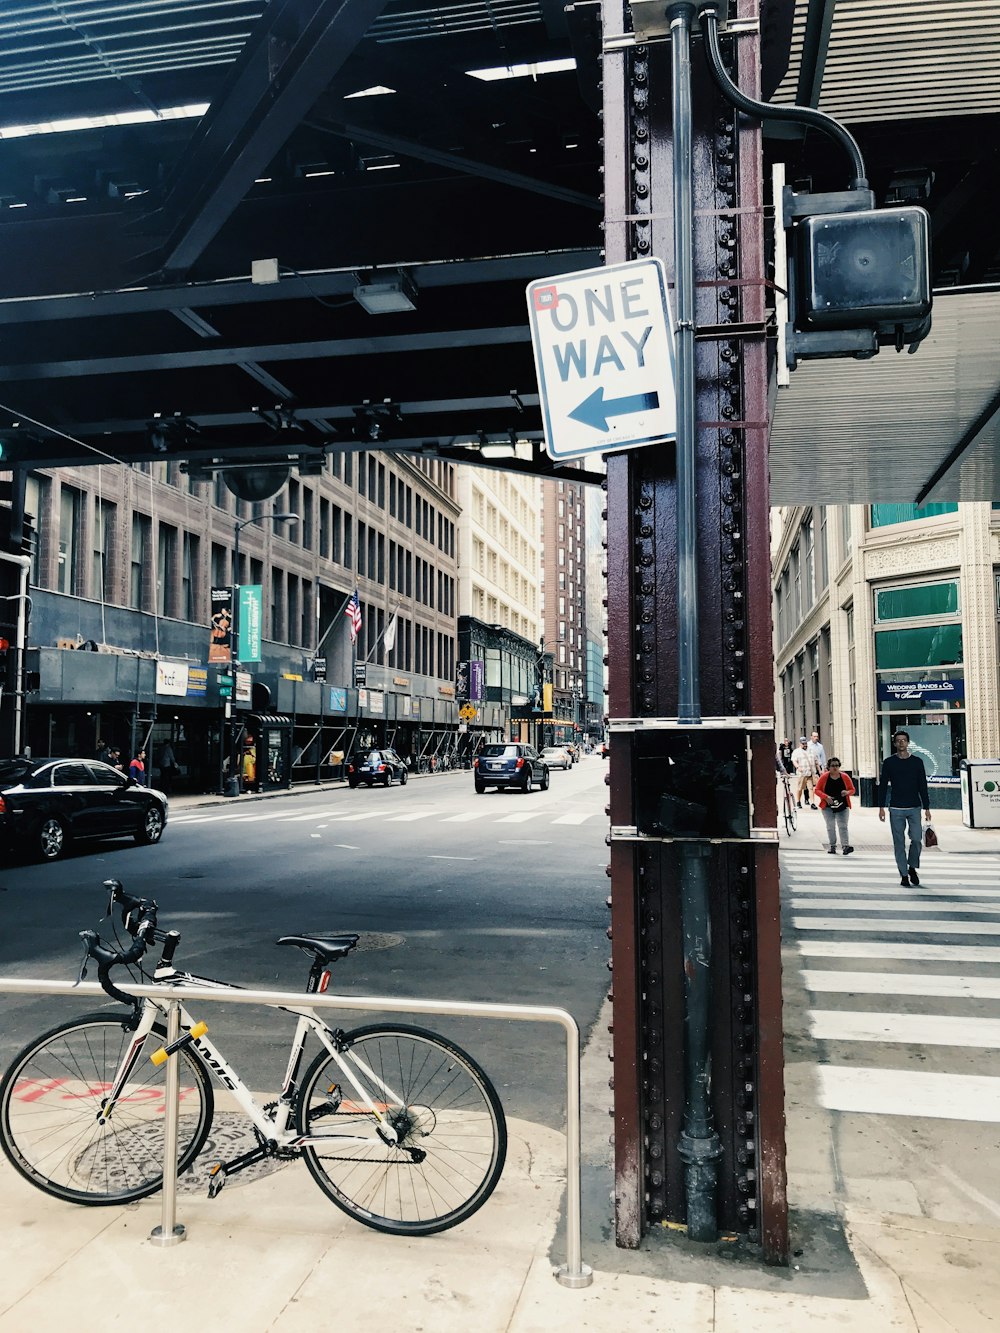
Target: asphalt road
{"type": "Point", "coordinates": [497, 897]}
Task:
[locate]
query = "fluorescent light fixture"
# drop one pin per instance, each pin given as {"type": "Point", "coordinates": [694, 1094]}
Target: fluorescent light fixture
{"type": "Point", "coordinates": [377, 90]}
{"type": "Point", "coordinates": [194, 110]}
{"type": "Point", "coordinates": [522, 71]}
{"type": "Point", "coordinates": [382, 166]}
{"type": "Point", "coordinates": [385, 296]}
{"type": "Point", "coordinates": [309, 174]}
{"type": "Point", "coordinates": [504, 450]}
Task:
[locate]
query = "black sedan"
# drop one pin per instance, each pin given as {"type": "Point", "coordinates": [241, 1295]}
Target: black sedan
{"type": "Point", "coordinates": [47, 803]}
{"type": "Point", "coordinates": [376, 766]}
{"type": "Point", "coordinates": [512, 764]}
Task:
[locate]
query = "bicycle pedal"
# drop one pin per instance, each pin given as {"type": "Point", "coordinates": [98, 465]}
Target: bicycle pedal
{"type": "Point", "coordinates": [218, 1177]}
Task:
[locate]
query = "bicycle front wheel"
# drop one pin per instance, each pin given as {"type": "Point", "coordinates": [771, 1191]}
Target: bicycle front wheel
{"type": "Point", "coordinates": [451, 1136]}
{"type": "Point", "coordinates": [52, 1096]}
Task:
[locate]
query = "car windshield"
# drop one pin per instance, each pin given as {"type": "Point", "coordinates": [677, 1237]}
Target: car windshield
{"type": "Point", "coordinates": [500, 751]}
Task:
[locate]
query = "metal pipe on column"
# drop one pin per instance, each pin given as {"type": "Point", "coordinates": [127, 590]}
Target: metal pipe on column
{"type": "Point", "coordinates": [699, 1146]}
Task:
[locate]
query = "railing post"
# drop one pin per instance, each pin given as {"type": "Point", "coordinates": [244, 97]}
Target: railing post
{"type": "Point", "coordinates": [574, 1272]}
{"type": "Point", "coordinates": [170, 1231]}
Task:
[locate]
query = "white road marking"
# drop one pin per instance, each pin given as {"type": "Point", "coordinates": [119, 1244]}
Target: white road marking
{"type": "Point", "coordinates": [900, 904]}
{"type": "Point", "coordinates": [452, 858]}
{"type": "Point", "coordinates": [521, 817]}
{"type": "Point", "coordinates": [348, 846]}
{"type": "Point", "coordinates": [351, 819]}
{"type": "Point", "coordinates": [917, 953]}
{"type": "Point", "coordinates": [884, 926]}
{"type": "Point", "coordinates": [465, 818]}
{"type": "Point", "coordinates": [574, 819]}
{"type": "Point", "coordinates": [902, 983]}
{"type": "Point", "coordinates": [913, 1029]}
{"type": "Point", "coordinates": [410, 818]}
{"type": "Point", "coordinates": [910, 1093]}
{"type": "Point", "coordinates": [860, 891]}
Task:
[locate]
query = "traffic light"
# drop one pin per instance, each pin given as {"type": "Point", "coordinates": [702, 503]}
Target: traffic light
{"type": "Point", "coordinates": [858, 278]}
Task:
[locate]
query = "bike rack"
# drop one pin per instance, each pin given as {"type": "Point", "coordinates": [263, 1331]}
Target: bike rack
{"type": "Point", "coordinates": [574, 1273]}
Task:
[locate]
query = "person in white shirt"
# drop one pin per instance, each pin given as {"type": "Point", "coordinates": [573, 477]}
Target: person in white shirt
{"type": "Point", "coordinates": [805, 772]}
{"type": "Point", "coordinates": [818, 752]}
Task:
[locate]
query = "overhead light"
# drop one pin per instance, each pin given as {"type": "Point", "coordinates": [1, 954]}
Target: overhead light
{"type": "Point", "coordinates": [497, 449]}
{"type": "Point", "coordinates": [522, 71]}
{"type": "Point", "coordinates": [377, 90]}
{"type": "Point", "coordinates": [76, 123]}
{"type": "Point", "coordinates": [387, 295]}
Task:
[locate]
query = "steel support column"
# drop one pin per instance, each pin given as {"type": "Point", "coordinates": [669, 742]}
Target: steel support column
{"type": "Point", "coordinates": [733, 661]}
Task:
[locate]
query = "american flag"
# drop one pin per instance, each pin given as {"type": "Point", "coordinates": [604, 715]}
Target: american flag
{"type": "Point", "coordinates": [353, 613]}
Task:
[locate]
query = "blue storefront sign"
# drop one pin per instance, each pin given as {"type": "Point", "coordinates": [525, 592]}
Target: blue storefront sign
{"type": "Point", "coordinates": [338, 700]}
{"type": "Point", "coordinates": [923, 693]}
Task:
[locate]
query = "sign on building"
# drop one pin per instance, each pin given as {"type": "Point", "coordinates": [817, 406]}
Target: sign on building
{"type": "Point", "coordinates": [251, 614]}
{"type": "Point", "coordinates": [604, 356]}
{"type": "Point", "coordinates": [220, 643]}
{"type": "Point", "coordinates": [172, 678]}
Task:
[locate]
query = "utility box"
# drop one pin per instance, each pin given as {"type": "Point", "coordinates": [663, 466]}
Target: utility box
{"type": "Point", "coordinates": [980, 780]}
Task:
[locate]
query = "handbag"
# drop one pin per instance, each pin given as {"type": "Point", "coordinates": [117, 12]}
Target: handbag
{"type": "Point", "coordinates": [930, 837]}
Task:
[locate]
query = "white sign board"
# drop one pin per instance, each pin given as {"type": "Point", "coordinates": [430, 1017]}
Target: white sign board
{"type": "Point", "coordinates": [604, 355]}
{"type": "Point", "coordinates": [171, 678]}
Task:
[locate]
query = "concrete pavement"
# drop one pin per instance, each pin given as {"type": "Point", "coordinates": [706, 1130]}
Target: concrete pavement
{"type": "Point", "coordinates": [271, 1253]}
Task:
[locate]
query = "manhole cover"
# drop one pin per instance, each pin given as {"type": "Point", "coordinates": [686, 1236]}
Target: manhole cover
{"type": "Point", "coordinates": [230, 1137]}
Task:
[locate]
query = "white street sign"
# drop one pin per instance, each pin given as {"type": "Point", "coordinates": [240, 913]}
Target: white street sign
{"type": "Point", "coordinates": [604, 355]}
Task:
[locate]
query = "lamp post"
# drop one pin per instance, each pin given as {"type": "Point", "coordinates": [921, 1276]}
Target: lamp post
{"type": "Point", "coordinates": [238, 527]}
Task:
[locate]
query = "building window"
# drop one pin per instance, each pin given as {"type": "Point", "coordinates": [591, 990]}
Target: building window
{"type": "Point", "coordinates": [884, 515]}
{"type": "Point", "coordinates": [137, 560]}
{"type": "Point", "coordinates": [919, 673]}
{"type": "Point", "coordinates": [165, 555]}
{"type": "Point", "coordinates": [189, 577]}
{"type": "Point", "coordinates": [69, 522]}
{"type": "Point", "coordinates": [104, 535]}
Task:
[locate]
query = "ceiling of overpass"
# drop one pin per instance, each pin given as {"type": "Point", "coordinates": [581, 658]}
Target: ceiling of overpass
{"type": "Point", "coordinates": [349, 140]}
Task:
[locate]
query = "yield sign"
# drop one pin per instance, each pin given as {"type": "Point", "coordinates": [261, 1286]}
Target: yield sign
{"type": "Point", "coordinates": [604, 356]}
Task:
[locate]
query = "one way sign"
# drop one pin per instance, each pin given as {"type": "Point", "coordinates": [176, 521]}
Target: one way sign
{"type": "Point", "coordinates": [604, 355]}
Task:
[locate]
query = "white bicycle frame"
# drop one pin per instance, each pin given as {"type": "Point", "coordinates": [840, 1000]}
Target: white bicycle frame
{"type": "Point", "coordinates": [275, 1128]}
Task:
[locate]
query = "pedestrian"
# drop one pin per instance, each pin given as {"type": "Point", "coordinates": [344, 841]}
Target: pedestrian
{"type": "Point", "coordinates": [784, 753]}
{"type": "Point", "coordinates": [137, 769]}
{"type": "Point", "coordinates": [903, 774]}
{"type": "Point", "coordinates": [103, 751]}
{"type": "Point", "coordinates": [818, 753]}
{"type": "Point", "coordinates": [115, 759]}
{"type": "Point", "coordinates": [835, 789]}
{"type": "Point", "coordinates": [168, 768]}
{"type": "Point", "coordinates": [805, 770]}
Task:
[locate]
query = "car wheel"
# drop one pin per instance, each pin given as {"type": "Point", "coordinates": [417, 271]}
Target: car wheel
{"type": "Point", "coordinates": [152, 825]}
{"type": "Point", "coordinates": [480, 787]}
{"type": "Point", "coordinates": [51, 838]}
{"type": "Point", "coordinates": [545, 780]}
{"type": "Point", "coordinates": [402, 778]}
{"type": "Point", "coordinates": [352, 783]}
{"type": "Point", "coordinates": [526, 784]}
{"type": "Point", "coordinates": [387, 780]}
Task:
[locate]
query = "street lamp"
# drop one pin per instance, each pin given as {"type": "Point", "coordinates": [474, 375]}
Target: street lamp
{"type": "Point", "coordinates": [238, 527]}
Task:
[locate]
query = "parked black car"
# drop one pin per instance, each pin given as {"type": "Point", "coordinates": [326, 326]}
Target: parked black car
{"type": "Point", "coordinates": [512, 764]}
{"type": "Point", "coordinates": [371, 766]}
{"type": "Point", "coordinates": [47, 803]}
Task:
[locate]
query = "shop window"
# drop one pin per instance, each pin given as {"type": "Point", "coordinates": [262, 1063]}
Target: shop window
{"type": "Point", "coordinates": [925, 599]}
{"type": "Point", "coordinates": [926, 646]}
{"type": "Point", "coordinates": [884, 515]}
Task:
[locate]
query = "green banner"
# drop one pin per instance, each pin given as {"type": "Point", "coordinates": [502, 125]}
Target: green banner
{"type": "Point", "coordinates": [251, 614]}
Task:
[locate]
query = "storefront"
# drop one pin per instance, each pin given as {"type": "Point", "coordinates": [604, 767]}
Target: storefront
{"type": "Point", "coordinates": [920, 675]}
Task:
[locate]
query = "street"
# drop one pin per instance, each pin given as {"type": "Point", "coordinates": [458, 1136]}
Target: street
{"type": "Point", "coordinates": [497, 897]}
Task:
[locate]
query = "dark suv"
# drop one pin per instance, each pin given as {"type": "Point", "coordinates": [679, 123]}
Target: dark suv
{"type": "Point", "coordinates": [510, 765]}
{"type": "Point", "coordinates": [371, 766]}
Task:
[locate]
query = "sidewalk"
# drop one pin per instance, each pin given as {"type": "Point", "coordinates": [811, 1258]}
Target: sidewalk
{"type": "Point", "coordinates": [272, 1254]}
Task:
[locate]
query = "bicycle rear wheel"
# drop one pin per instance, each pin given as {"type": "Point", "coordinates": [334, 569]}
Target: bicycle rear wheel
{"type": "Point", "coordinates": [789, 815]}
{"type": "Point", "coordinates": [51, 1097]}
{"type": "Point", "coordinates": [452, 1136]}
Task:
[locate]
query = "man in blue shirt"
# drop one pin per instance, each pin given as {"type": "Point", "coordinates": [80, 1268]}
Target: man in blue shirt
{"type": "Point", "coordinates": [906, 776]}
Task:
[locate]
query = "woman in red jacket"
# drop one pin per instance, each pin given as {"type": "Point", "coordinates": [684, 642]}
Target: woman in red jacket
{"type": "Point", "coordinates": [835, 790]}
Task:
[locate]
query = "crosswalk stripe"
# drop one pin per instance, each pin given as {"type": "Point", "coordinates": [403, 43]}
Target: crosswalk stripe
{"type": "Point", "coordinates": [915, 953]}
{"type": "Point", "coordinates": [912, 1029]}
{"type": "Point", "coordinates": [521, 817]}
{"type": "Point", "coordinates": [358, 815]}
{"type": "Point", "coordinates": [860, 891]}
{"type": "Point", "coordinates": [309, 814]}
{"type": "Point", "coordinates": [466, 817]}
{"type": "Point", "coordinates": [573, 818]}
{"type": "Point", "coordinates": [410, 818]}
{"type": "Point", "coordinates": [901, 904]}
{"type": "Point", "coordinates": [886, 926]}
{"type": "Point", "coordinates": [910, 1093]}
{"type": "Point", "coordinates": [876, 874]}
{"type": "Point", "coordinates": [902, 983]}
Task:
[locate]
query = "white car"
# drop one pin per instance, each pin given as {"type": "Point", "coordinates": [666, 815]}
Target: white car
{"type": "Point", "coordinates": [554, 756]}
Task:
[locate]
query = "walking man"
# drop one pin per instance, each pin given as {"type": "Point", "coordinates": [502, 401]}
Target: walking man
{"type": "Point", "coordinates": [905, 776]}
{"type": "Point", "coordinates": [818, 751]}
{"type": "Point", "coordinates": [805, 771]}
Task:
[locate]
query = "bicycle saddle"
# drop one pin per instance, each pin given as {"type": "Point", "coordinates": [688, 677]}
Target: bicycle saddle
{"type": "Point", "coordinates": [327, 948]}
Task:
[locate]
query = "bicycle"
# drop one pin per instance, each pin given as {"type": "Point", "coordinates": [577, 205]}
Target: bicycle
{"type": "Point", "coordinates": [788, 805]}
{"type": "Point", "coordinates": [399, 1127]}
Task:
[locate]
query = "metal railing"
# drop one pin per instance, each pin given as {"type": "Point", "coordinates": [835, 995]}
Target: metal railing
{"type": "Point", "coordinates": [574, 1273]}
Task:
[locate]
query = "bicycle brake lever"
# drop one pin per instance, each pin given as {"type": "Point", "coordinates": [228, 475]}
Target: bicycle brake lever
{"type": "Point", "coordinates": [88, 937]}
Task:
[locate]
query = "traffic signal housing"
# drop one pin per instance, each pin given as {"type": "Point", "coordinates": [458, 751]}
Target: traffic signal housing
{"type": "Point", "coordinates": [858, 277]}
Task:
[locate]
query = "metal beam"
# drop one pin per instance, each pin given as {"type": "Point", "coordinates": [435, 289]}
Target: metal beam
{"type": "Point", "coordinates": [395, 143]}
{"type": "Point", "coordinates": [292, 287]}
{"type": "Point", "coordinates": [815, 49]}
{"type": "Point", "coordinates": [267, 381]}
{"type": "Point", "coordinates": [295, 50]}
{"type": "Point", "coordinates": [447, 340]}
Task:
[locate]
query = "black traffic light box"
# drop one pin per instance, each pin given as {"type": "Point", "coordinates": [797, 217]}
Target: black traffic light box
{"type": "Point", "coordinates": [859, 277]}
